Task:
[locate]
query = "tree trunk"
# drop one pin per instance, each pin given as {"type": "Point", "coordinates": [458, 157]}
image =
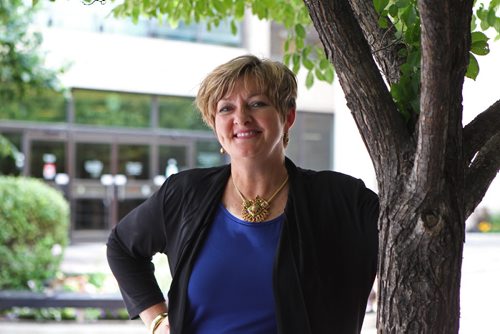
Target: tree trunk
{"type": "Point", "coordinates": [420, 260]}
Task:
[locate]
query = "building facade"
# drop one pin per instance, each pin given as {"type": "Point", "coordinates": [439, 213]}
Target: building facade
{"type": "Point", "coordinates": [127, 118]}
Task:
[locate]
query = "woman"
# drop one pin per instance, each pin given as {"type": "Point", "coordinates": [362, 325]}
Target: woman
{"type": "Point", "coordinates": [257, 246]}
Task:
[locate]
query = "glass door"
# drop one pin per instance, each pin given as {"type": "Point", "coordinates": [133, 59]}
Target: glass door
{"type": "Point", "coordinates": [110, 179]}
{"type": "Point", "coordinates": [92, 199]}
{"type": "Point", "coordinates": [145, 168]}
{"type": "Point", "coordinates": [133, 180]}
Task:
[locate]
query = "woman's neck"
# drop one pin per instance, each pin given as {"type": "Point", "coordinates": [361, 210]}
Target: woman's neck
{"type": "Point", "coordinates": [258, 179]}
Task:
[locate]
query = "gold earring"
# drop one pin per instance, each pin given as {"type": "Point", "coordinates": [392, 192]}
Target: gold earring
{"type": "Point", "coordinates": [222, 151]}
{"type": "Point", "coordinates": [286, 138]}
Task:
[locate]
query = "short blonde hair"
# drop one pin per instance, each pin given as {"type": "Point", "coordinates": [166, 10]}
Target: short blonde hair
{"type": "Point", "coordinates": [273, 78]}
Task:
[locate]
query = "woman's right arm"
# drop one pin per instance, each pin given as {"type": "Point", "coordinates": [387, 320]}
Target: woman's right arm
{"type": "Point", "coordinates": [130, 248]}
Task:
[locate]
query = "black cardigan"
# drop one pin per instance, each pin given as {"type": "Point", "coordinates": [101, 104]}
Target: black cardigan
{"type": "Point", "coordinates": [324, 266]}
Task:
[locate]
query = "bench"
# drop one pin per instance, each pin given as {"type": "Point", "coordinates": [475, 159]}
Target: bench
{"type": "Point", "coordinates": [9, 299]}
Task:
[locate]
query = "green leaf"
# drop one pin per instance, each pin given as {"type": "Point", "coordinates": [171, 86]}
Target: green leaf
{"type": "Point", "coordinates": [296, 62]}
{"type": "Point", "coordinates": [482, 13]}
{"type": "Point", "coordinates": [289, 19]}
{"type": "Point", "coordinates": [380, 5]}
{"type": "Point", "coordinates": [393, 11]}
{"type": "Point", "coordinates": [414, 58]}
{"type": "Point", "coordinates": [497, 27]}
{"type": "Point", "coordinates": [219, 6]}
{"type": "Point", "coordinates": [382, 22]}
{"type": "Point", "coordinates": [135, 14]}
{"type": "Point", "coordinates": [309, 79]}
{"type": "Point", "coordinates": [299, 43]}
{"type": "Point", "coordinates": [484, 25]}
{"type": "Point", "coordinates": [324, 63]}
{"type": "Point", "coordinates": [403, 3]}
{"type": "Point", "coordinates": [473, 68]}
{"type": "Point", "coordinates": [478, 36]}
{"type": "Point", "coordinates": [473, 24]}
{"type": "Point", "coordinates": [406, 68]}
{"type": "Point", "coordinates": [329, 74]}
{"type": "Point", "coordinates": [480, 48]}
{"type": "Point", "coordinates": [300, 30]}
{"type": "Point", "coordinates": [306, 51]}
{"type": "Point", "coordinates": [286, 59]}
{"type": "Point", "coordinates": [491, 17]}
{"type": "Point", "coordinates": [319, 74]}
{"type": "Point", "coordinates": [234, 28]}
{"type": "Point", "coordinates": [259, 8]}
{"type": "Point", "coordinates": [409, 16]}
{"type": "Point", "coordinates": [412, 35]}
{"type": "Point", "coordinates": [479, 43]}
{"type": "Point", "coordinates": [239, 10]}
{"type": "Point", "coordinates": [307, 63]}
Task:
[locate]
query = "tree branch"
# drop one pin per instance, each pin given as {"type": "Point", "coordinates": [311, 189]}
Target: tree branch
{"type": "Point", "coordinates": [368, 98]}
{"type": "Point", "coordinates": [480, 130]}
{"type": "Point", "coordinates": [383, 42]}
{"type": "Point", "coordinates": [459, 34]}
{"type": "Point", "coordinates": [481, 172]}
{"type": "Point", "coordinates": [435, 96]}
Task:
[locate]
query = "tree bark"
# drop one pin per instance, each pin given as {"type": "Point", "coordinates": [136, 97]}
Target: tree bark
{"type": "Point", "coordinates": [481, 155]}
{"type": "Point", "coordinates": [375, 113]}
{"type": "Point", "coordinates": [422, 181]}
{"type": "Point", "coordinates": [481, 173]}
{"type": "Point", "coordinates": [383, 42]}
{"type": "Point", "coordinates": [419, 269]}
{"type": "Point", "coordinates": [480, 130]}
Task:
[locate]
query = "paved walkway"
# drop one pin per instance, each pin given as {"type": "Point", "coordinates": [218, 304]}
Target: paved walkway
{"type": "Point", "coordinates": [85, 257]}
{"type": "Point", "coordinates": [107, 327]}
{"type": "Point", "coordinates": [103, 327]}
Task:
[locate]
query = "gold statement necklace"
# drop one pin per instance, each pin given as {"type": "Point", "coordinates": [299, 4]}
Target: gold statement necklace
{"type": "Point", "coordinates": [256, 210]}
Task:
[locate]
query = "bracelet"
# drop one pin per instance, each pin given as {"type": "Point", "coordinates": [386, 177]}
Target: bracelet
{"type": "Point", "coordinates": [157, 321]}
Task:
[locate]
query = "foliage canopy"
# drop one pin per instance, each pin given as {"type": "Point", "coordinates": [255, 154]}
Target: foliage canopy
{"type": "Point", "coordinates": [22, 64]}
{"type": "Point", "coordinates": [401, 16]}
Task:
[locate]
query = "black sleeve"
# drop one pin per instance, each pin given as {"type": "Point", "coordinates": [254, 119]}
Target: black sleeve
{"type": "Point", "coordinates": [368, 206]}
{"type": "Point", "coordinates": [130, 248]}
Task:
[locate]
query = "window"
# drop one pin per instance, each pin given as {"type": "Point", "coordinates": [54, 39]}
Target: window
{"type": "Point", "coordinates": [73, 15]}
{"type": "Point", "coordinates": [179, 113]}
{"type": "Point", "coordinates": [112, 109]}
{"type": "Point", "coordinates": [37, 106]}
{"type": "Point", "coordinates": [208, 154]}
{"type": "Point", "coordinates": [92, 160]}
{"type": "Point", "coordinates": [311, 141]}
{"type": "Point", "coordinates": [133, 161]}
{"type": "Point", "coordinates": [47, 159]}
{"type": "Point", "coordinates": [172, 159]}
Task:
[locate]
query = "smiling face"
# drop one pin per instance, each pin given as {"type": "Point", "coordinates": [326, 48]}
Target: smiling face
{"type": "Point", "coordinates": [248, 125]}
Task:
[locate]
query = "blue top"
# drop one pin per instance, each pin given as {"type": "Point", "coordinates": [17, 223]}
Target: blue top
{"type": "Point", "coordinates": [231, 286]}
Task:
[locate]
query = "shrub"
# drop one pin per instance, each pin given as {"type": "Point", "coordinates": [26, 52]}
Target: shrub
{"type": "Point", "coordinates": [495, 222]}
{"type": "Point", "coordinates": [34, 222]}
